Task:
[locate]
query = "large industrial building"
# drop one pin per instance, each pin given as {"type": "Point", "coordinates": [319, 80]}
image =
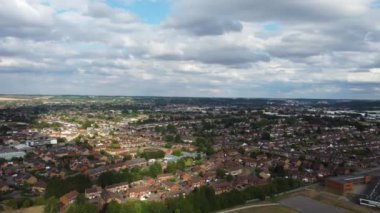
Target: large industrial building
{"type": "Point", "coordinates": [345, 184]}
{"type": "Point", "coordinates": [9, 153]}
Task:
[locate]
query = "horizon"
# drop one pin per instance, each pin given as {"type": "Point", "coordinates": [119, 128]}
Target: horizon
{"type": "Point", "coordinates": [191, 48]}
{"type": "Point", "coordinates": [200, 97]}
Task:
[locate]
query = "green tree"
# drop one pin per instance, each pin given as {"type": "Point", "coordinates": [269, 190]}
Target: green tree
{"type": "Point", "coordinates": [52, 205]}
{"type": "Point", "coordinates": [229, 178]}
{"type": "Point", "coordinates": [26, 203]}
{"type": "Point", "coordinates": [265, 136]}
{"type": "Point", "coordinates": [171, 167]}
{"type": "Point", "coordinates": [58, 187]}
{"type": "Point", "coordinates": [220, 173]}
{"type": "Point", "coordinates": [155, 170]}
{"type": "Point", "coordinates": [82, 208]}
{"type": "Point", "coordinates": [113, 207]}
{"type": "Point", "coordinates": [177, 152]}
{"type": "Point", "coordinates": [12, 203]}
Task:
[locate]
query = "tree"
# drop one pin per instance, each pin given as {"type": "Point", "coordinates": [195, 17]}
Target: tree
{"type": "Point", "coordinates": [177, 138]}
{"type": "Point", "coordinates": [204, 145]}
{"type": "Point", "coordinates": [153, 154]}
{"type": "Point", "coordinates": [82, 208]}
{"type": "Point", "coordinates": [171, 129]}
{"type": "Point", "coordinates": [27, 203]}
{"type": "Point", "coordinates": [253, 155]}
{"type": "Point", "coordinates": [229, 178]}
{"type": "Point", "coordinates": [265, 136]}
{"type": "Point", "coordinates": [58, 187]}
{"type": "Point", "coordinates": [277, 171]}
{"type": "Point", "coordinates": [155, 170]}
{"type": "Point", "coordinates": [4, 130]}
{"type": "Point", "coordinates": [177, 152]}
{"type": "Point", "coordinates": [171, 167]}
{"type": "Point", "coordinates": [127, 157]}
{"type": "Point", "coordinates": [52, 205]}
{"type": "Point", "coordinates": [181, 165]}
{"type": "Point", "coordinates": [12, 203]}
{"type": "Point", "coordinates": [113, 207]}
{"type": "Point", "coordinates": [241, 150]}
{"type": "Point", "coordinates": [220, 173]}
{"type": "Point", "coordinates": [86, 124]}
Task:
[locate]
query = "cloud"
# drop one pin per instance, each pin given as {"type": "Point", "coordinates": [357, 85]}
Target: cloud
{"type": "Point", "coordinates": [315, 48]}
{"type": "Point", "coordinates": [206, 26]}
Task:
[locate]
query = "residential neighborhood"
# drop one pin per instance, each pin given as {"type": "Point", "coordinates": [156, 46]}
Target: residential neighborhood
{"type": "Point", "coordinates": [112, 152]}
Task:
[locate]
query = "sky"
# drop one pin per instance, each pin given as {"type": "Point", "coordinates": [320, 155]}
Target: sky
{"type": "Point", "coordinates": [196, 48]}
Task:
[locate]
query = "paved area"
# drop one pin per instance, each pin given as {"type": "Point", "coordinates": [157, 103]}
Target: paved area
{"type": "Point", "coordinates": [307, 205]}
{"type": "Point", "coordinates": [248, 206]}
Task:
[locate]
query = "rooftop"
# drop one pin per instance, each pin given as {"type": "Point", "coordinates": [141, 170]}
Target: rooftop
{"type": "Point", "coordinates": [373, 190]}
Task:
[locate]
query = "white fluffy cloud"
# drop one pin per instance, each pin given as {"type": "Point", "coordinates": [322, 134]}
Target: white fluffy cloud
{"type": "Point", "coordinates": [315, 48]}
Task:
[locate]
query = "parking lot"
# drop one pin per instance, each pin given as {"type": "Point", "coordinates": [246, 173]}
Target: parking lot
{"type": "Point", "coordinates": [305, 204]}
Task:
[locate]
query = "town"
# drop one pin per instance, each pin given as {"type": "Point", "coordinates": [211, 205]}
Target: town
{"type": "Point", "coordinates": [163, 154]}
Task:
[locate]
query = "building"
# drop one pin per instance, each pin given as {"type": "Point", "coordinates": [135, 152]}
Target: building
{"type": "Point", "coordinates": [8, 154]}
{"type": "Point", "coordinates": [69, 198]}
{"type": "Point", "coordinates": [139, 192]}
{"type": "Point", "coordinates": [139, 162]}
{"type": "Point", "coordinates": [93, 192]}
{"type": "Point", "coordinates": [118, 187]}
{"type": "Point", "coordinates": [372, 195]}
{"type": "Point", "coordinates": [39, 187]}
{"type": "Point", "coordinates": [345, 184]}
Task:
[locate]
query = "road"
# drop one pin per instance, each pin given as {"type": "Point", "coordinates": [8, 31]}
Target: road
{"type": "Point", "coordinates": [248, 206]}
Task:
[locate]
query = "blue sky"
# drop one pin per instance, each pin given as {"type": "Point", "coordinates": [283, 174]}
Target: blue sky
{"type": "Point", "coordinates": [149, 11]}
{"type": "Point", "coordinates": [214, 48]}
{"type": "Point", "coordinates": [375, 4]}
{"type": "Point", "coordinates": [272, 26]}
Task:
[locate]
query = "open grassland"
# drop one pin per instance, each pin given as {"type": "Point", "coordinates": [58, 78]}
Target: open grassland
{"type": "Point", "coordinates": [34, 209]}
{"type": "Point", "coordinates": [12, 99]}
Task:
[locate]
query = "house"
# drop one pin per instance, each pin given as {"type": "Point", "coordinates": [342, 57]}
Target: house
{"type": "Point", "coordinates": [184, 176]}
{"type": "Point", "coordinates": [118, 187]}
{"type": "Point", "coordinates": [31, 180]}
{"type": "Point", "coordinates": [109, 196]}
{"type": "Point", "coordinates": [148, 181]}
{"type": "Point", "coordinates": [139, 162]}
{"type": "Point", "coordinates": [118, 166]}
{"type": "Point", "coordinates": [197, 182]}
{"type": "Point", "coordinates": [173, 194]}
{"type": "Point", "coordinates": [222, 187]}
{"type": "Point", "coordinates": [242, 180]}
{"type": "Point", "coordinates": [170, 186]}
{"type": "Point", "coordinates": [139, 192]}
{"type": "Point", "coordinates": [94, 173]}
{"type": "Point", "coordinates": [165, 177]}
{"type": "Point", "coordinates": [93, 192]}
{"type": "Point", "coordinates": [4, 187]}
{"type": "Point", "coordinates": [257, 181]}
{"type": "Point", "coordinates": [264, 175]}
{"type": "Point", "coordinates": [234, 170]}
{"type": "Point", "coordinates": [210, 175]}
{"type": "Point", "coordinates": [39, 187]}
{"type": "Point", "coordinates": [69, 198]}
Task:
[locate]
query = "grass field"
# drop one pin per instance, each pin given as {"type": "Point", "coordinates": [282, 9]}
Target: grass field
{"type": "Point", "coordinates": [11, 99]}
{"type": "Point", "coordinates": [34, 209]}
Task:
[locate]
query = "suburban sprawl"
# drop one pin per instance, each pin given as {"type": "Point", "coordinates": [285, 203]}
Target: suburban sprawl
{"type": "Point", "coordinates": [161, 154]}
